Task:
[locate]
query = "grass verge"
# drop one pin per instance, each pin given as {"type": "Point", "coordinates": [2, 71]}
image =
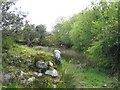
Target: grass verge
{"type": "Point", "coordinates": [87, 77]}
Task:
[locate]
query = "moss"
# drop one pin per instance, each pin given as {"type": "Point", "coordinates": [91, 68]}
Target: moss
{"type": "Point", "coordinates": [25, 56]}
{"type": "Point", "coordinates": [24, 59]}
{"type": "Point", "coordinates": [43, 56]}
{"type": "Point", "coordinates": [43, 82]}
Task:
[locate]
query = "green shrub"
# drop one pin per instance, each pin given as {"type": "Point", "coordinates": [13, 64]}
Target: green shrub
{"type": "Point", "coordinates": [95, 51]}
{"type": "Point", "coordinates": [104, 53]}
{"type": "Point", "coordinates": [7, 43]}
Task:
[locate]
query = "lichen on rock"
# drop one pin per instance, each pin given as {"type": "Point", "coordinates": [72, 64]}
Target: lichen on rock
{"type": "Point", "coordinates": [27, 64]}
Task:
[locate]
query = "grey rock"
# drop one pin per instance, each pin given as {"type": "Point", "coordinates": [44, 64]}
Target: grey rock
{"type": "Point", "coordinates": [52, 73]}
{"type": "Point", "coordinates": [31, 79]}
{"type": "Point", "coordinates": [57, 54]}
{"type": "Point", "coordinates": [40, 64]}
{"type": "Point", "coordinates": [50, 63]}
{"type": "Point", "coordinates": [38, 74]}
{"type": "Point", "coordinates": [8, 77]}
{"type": "Point", "coordinates": [35, 73]}
{"type": "Point", "coordinates": [57, 57]}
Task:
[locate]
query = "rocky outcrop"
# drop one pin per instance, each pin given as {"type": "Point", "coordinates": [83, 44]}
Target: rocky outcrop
{"type": "Point", "coordinates": [38, 74]}
{"type": "Point", "coordinates": [41, 64]}
{"type": "Point", "coordinates": [31, 79]}
{"type": "Point", "coordinates": [7, 77]}
{"type": "Point", "coordinates": [28, 66]}
{"type": "Point", "coordinates": [52, 73]}
{"type": "Point", "coordinates": [50, 64]}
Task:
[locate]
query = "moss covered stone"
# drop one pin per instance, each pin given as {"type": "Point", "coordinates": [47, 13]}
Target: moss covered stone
{"type": "Point", "coordinates": [22, 58]}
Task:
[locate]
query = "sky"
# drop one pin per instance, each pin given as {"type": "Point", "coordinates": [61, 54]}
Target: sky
{"type": "Point", "coordinates": [48, 11]}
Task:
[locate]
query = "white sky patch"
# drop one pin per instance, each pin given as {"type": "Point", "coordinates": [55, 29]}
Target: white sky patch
{"type": "Point", "coordinates": [48, 11]}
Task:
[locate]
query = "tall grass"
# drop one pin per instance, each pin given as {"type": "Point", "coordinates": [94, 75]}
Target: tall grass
{"type": "Point", "coordinates": [69, 73]}
{"type": "Point", "coordinates": [83, 77]}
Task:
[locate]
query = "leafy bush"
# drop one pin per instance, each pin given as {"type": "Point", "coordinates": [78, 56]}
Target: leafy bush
{"type": "Point", "coordinates": [95, 51]}
{"type": "Point", "coordinates": [7, 43]}
{"type": "Point", "coordinates": [104, 53]}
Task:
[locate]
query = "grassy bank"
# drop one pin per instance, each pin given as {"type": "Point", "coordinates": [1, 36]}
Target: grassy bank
{"type": "Point", "coordinates": [22, 58]}
{"type": "Point", "coordinates": [78, 77]}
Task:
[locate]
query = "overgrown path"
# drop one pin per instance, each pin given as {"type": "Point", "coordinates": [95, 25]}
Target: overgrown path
{"type": "Point", "coordinates": [67, 52]}
{"type": "Point", "coordinates": [76, 73]}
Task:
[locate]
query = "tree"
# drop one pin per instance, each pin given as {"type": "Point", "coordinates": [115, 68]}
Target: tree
{"type": "Point", "coordinates": [61, 33]}
{"type": "Point", "coordinates": [41, 31]}
{"type": "Point", "coordinates": [12, 21]}
{"type": "Point", "coordinates": [29, 34]}
{"type": "Point", "coordinates": [105, 47]}
{"type": "Point", "coordinates": [95, 32]}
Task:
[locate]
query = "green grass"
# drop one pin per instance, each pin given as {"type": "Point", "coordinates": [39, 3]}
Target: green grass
{"type": "Point", "coordinates": [74, 77]}
{"type": "Point", "coordinates": [93, 78]}
{"type": "Point", "coordinates": [14, 85]}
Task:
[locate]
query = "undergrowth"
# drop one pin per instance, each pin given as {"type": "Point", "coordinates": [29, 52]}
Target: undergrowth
{"type": "Point", "coordinates": [84, 77]}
